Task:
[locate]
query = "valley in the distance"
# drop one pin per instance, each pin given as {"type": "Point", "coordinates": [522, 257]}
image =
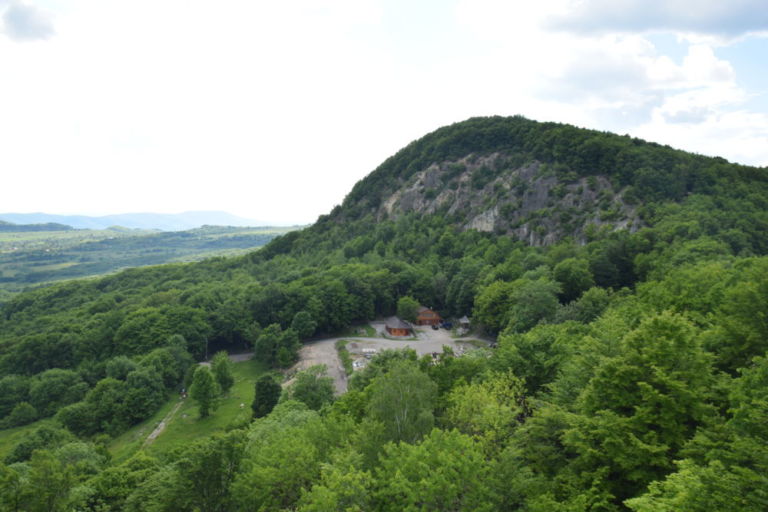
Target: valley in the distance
{"type": "Point", "coordinates": [33, 255]}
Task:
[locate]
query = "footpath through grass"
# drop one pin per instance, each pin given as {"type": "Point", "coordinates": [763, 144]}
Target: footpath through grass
{"type": "Point", "coordinates": [185, 425]}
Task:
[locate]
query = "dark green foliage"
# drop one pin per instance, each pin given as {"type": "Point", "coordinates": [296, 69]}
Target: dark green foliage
{"type": "Point", "coordinates": [277, 348]}
{"type": "Point", "coordinates": [303, 324]}
{"type": "Point", "coordinates": [266, 395]}
{"type": "Point", "coordinates": [43, 437]}
{"type": "Point", "coordinates": [55, 388]}
{"type": "Point", "coordinates": [119, 367]}
{"type": "Point", "coordinates": [21, 414]}
{"type": "Point", "coordinates": [13, 390]}
{"type": "Point", "coordinates": [574, 278]}
{"type": "Point", "coordinates": [144, 394]}
{"type": "Point", "coordinates": [630, 371]}
{"type": "Point", "coordinates": [205, 471]}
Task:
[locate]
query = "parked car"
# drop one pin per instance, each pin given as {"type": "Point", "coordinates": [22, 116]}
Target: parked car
{"type": "Point", "coordinates": [435, 327]}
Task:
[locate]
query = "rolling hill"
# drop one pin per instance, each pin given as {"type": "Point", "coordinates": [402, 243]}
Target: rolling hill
{"type": "Point", "coordinates": [625, 283]}
{"type": "Point", "coordinates": [148, 221]}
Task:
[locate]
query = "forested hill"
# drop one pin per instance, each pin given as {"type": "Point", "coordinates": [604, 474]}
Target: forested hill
{"type": "Point", "coordinates": [538, 182]}
{"type": "Point", "coordinates": [8, 227]}
{"type": "Point", "coordinates": [626, 284]}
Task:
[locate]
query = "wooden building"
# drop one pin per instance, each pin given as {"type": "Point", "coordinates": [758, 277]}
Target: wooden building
{"type": "Point", "coordinates": [397, 327]}
{"type": "Point", "coordinates": [426, 316]}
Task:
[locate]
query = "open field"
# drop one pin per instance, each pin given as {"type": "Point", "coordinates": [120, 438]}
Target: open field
{"type": "Point", "coordinates": [183, 424]}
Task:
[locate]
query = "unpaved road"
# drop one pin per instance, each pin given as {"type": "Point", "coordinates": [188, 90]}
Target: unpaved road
{"type": "Point", "coordinates": [161, 426]}
{"type": "Point", "coordinates": [324, 351]}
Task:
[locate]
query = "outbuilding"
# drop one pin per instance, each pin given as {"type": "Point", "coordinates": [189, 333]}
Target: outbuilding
{"type": "Point", "coordinates": [397, 327]}
{"type": "Point", "coordinates": [425, 316]}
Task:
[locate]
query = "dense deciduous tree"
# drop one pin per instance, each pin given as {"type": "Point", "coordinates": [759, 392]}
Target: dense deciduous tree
{"type": "Point", "coordinates": [312, 387]}
{"type": "Point", "coordinates": [402, 400]}
{"type": "Point", "coordinates": [266, 395]}
{"type": "Point", "coordinates": [204, 390]}
{"type": "Point", "coordinates": [221, 366]}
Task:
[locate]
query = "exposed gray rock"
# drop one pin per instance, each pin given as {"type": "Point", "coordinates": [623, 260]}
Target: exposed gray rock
{"type": "Point", "coordinates": [531, 202]}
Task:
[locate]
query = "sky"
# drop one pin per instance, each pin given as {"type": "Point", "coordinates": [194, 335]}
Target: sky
{"type": "Point", "coordinates": [274, 110]}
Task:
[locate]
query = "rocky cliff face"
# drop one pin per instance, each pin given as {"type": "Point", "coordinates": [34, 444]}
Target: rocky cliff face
{"type": "Point", "coordinates": [534, 202]}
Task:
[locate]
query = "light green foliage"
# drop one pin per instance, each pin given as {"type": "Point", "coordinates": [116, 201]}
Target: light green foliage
{"type": "Point", "coordinates": [342, 486]}
{"type": "Point", "coordinates": [736, 479]}
{"type": "Point", "coordinates": [13, 488]}
{"type": "Point", "coordinates": [445, 471]}
{"type": "Point", "coordinates": [402, 400]}
{"type": "Point", "coordinates": [407, 308]}
{"type": "Point", "coordinates": [111, 487]}
{"type": "Point", "coordinates": [487, 410]}
{"type": "Point", "coordinates": [221, 367]}
{"type": "Point", "coordinates": [49, 482]}
{"type": "Point", "coordinates": [641, 407]}
{"type": "Point", "coordinates": [696, 488]}
{"type": "Point", "coordinates": [532, 302]}
{"type": "Point", "coordinates": [743, 317]}
{"type": "Point", "coordinates": [620, 405]}
{"type": "Point", "coordinates": [380, 364]}
{"type": "Point", "coordinates": [47, 436]}
{"type": "Point", "coordinates": [282, 458]}
{"type": "Point", "coordinates": [492, 305]}
{"type": "Point", "coordinates": [204, 390]}
{"type": "Point", "coordinates": [312, 387]}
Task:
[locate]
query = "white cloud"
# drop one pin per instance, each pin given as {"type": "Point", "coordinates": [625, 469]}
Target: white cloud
{"type": "Point", "coordinates": [703, 17]}
{"type": "Point", "coordinates": [274, 110]}
{"type": "Point", "coordinates": [25, 22]}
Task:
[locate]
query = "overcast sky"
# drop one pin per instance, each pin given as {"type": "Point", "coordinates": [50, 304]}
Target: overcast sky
{"type": "Point", "coordinates": [273, 110]}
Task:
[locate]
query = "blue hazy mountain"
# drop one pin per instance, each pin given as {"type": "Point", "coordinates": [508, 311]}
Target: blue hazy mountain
{"type": "Point", "coordinates": [161, 221]}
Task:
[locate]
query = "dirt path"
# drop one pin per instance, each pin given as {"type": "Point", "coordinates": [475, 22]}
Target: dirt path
{"type": "Point", "coordinates": [161, 426]}
{"type": "Point", "coordinates": [324, 351]}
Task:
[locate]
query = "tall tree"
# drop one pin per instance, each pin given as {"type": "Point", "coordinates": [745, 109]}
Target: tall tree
{"type": "Point", "coordinates": [403, 400]}
{"type": "Point", "coordinates": [312, 387]}
{"type": "Point", "coordinates": [221, 366]}
{"type": "Point", "coordinates": [407, 308]}
{"type": "Point", "coordinates": [204, 390]}
{"type": "Point", "coordinates": [266, 396]}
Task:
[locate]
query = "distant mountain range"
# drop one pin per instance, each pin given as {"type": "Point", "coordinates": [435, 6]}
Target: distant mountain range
{"type": "Point", "coordinates": [161, 221]}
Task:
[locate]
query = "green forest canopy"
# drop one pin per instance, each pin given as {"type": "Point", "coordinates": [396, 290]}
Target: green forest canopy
{"type": "Point", "coordinates": [630, 373]}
